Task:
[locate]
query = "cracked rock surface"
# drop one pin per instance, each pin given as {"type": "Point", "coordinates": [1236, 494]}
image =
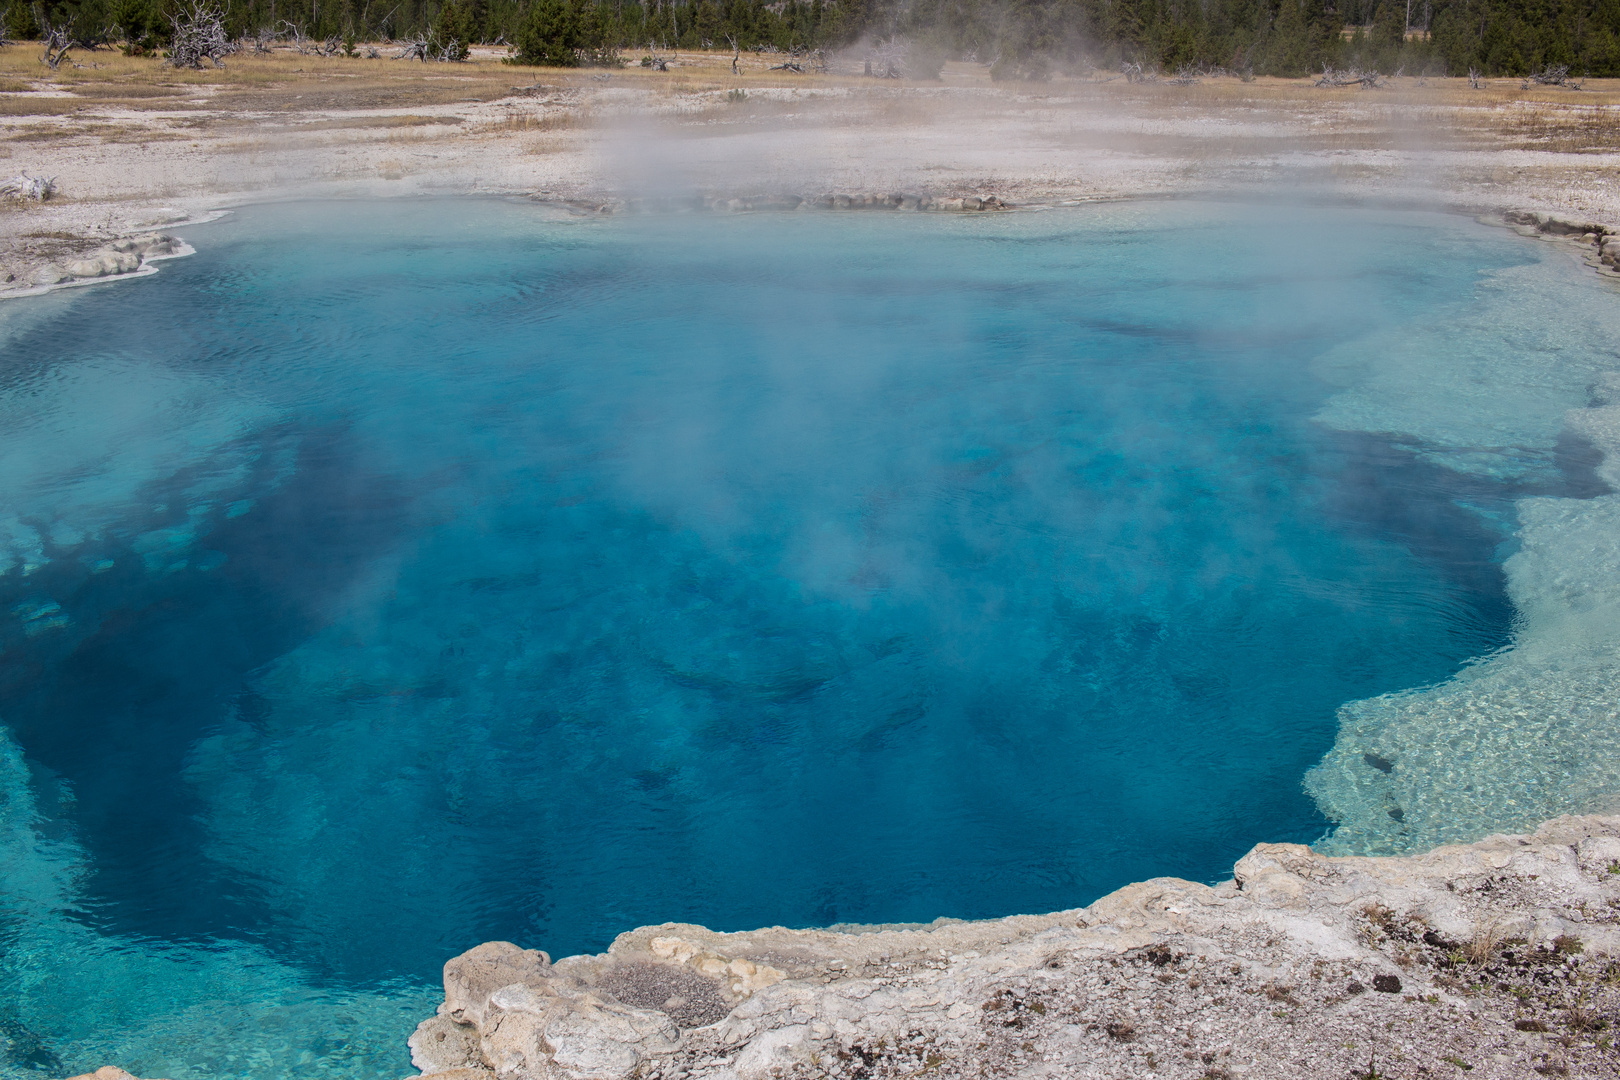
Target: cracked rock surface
{"type": "Point", "coordinates": [58, 261]}
{"type": "Point", "coordinates": [1494, 959]}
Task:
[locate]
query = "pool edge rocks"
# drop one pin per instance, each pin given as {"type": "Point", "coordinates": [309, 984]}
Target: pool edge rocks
{"type": "Point", "coordinates": [1486, 956]}
{"type": "Point", "coordinates": [1597, 242]}
{"type": "Point", "coordinates": [128, 257]}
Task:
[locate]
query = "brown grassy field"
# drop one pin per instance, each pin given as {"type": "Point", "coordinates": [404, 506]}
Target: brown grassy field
{"type": "Point", "coordinates": [287, 80]}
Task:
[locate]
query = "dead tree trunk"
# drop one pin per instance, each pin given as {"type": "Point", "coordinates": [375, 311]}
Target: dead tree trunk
{"type": "Point", "coordinates": [1354, 77]}
{"type": "Point", "coordinates": [417, 48]}
{"type": "Point", "coordinates": [199, 34]}
{"type": "Point", "coordinates": [57, 44]}
{"type": "Point", "coordinates": [1550, 76]}
{"type": "Point", "coordinates": [31, 188]}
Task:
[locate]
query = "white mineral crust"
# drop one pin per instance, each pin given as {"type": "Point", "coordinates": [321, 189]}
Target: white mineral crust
{"type": "Point", "coordinates": [1493, 958]}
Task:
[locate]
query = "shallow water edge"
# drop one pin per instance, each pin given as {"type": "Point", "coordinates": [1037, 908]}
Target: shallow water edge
{"type": "Point", "coordinates": [1524, 734]}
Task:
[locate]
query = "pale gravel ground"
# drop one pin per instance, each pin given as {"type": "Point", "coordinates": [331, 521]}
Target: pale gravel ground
{"type": "Point", "coordinates": [601, 140]}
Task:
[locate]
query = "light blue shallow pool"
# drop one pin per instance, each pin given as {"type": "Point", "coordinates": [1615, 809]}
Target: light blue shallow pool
{"type": "Point", "coordinates": [389, 578]}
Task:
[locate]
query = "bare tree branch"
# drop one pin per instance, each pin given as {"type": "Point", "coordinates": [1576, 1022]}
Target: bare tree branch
{"type": "Point", "coordinates": [57, 44]}
{"type": "Point", "coordinates": [32, 188]}
{"type": "Point", "coordinates": [417, 48]}
{"type": "Point", "coordinates": [1550, 76]}
{"type": "Point", "coordinates": [1353, 77]}
{"type": "Point", "coordinates": [199, 34]}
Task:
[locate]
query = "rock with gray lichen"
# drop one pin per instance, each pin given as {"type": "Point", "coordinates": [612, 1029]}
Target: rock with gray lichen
{"type": "Point", "coordinates": [104, 264]}
{"type": "Point", "coordinates": [62, 262]}
{"type": "Point", "coordinates": [123, 256]}
{"type": "Point", "coordinates": [1497, 959]}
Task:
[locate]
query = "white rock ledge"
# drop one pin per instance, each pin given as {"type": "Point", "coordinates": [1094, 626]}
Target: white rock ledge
{"type": "Point", "coordinates": [1492, 959]}
{"type": "Point", "coordinates": [127, 257]}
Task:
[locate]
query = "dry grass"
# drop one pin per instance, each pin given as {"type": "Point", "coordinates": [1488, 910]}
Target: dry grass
{"type": "Point", "coordinates": [519, 121]}
{"type": "Point", "coordinates": [1575, 128]}
{"type": "Point", "coordinates": [138, 136]}
{"type": "Point", "coordinates": [1543, 117]}
{"type": "Point", "coordinates": [126, 90]}
{"type": "Point", "coordinates": [39, 106]}
{"type": "Point", "coordinates": [1487, 939]}
{"type": "Point", "coordinates": [277, 75]}
{"type": "Point", "coordinates": [48, 133]}
{"type": "Point", "coordinates": [486, 77]}
{"type": "Point", "coordinates": [386, 123]}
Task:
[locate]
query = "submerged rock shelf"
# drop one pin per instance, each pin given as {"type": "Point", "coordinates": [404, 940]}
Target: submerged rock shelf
{"type": "Point", "coordinates": [1531, 731]}
{"type": "Point", "coordinates": [1492, 958]}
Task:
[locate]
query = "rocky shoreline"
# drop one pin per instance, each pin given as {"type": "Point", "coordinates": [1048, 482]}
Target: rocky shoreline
{"type": "Point", "coordinates": [842, 200]}
{"type": "Point", "coordinates": [58, 261]}
{"type": "Point", "coordinates": [63, 261]}
{"type": "Point", "coordinates": [1600, 240]}
{"type": "Point", "coordinates": [43, 267]}
{"type": "Point", "coordinates": [1495, 959]}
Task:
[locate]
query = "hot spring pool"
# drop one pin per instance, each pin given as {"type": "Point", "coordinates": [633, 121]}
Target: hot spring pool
{"type": "Point", "coordinates": [389, 578]}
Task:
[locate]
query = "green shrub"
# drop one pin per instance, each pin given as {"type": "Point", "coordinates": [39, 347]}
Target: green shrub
{"type": "Point", "coordinates": [20, 23]}
{"type": "Point", "coordinates": [141, 25]}
{"type": "Point", "coordinates": [454, 31]}
{"type": "Point", "coordinates": [565, 33]}
{"type": "Point", "coordinates": [551, 36]}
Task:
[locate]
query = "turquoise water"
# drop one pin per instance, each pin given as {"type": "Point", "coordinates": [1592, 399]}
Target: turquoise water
{"type": "Point", "coordinates": [389, 578]}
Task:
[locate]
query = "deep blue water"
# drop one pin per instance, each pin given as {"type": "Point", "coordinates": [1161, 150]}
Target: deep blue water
{"type": "Point", "coordinates": [404, 576]}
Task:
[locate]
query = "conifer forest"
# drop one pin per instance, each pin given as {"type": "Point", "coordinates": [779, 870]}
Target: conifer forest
{"type": "Point", "coordinates": [1029, 40]}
